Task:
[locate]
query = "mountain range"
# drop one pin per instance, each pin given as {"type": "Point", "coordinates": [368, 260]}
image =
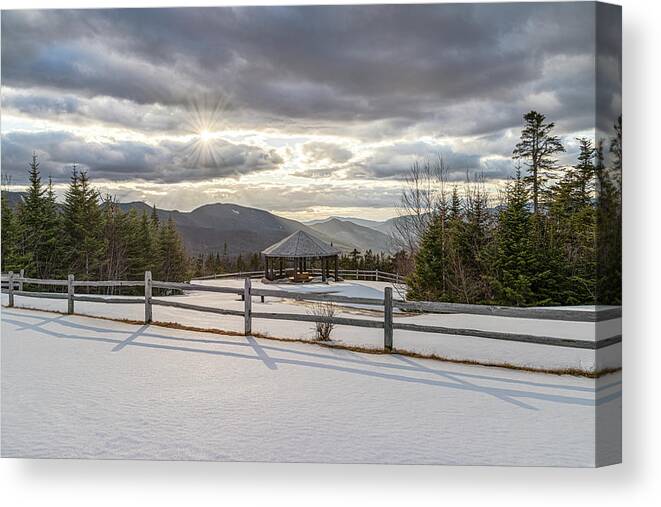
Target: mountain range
{"type": "Point", "coordinates": [387, 227]}
{"type": "Point", "coordinates": [245, 230]}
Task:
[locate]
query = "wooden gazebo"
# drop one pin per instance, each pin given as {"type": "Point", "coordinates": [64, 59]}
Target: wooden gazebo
{"type": "Point", "coordinates": [299, 250]}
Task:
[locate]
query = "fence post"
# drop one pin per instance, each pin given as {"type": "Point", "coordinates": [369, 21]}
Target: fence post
{"type": "Point", "coordinates": [70, 294]}
{"type": "Point", "coordinates": [10, 288]}
{"type": "Point", "coordinates": [387, 319]}
{"type": "Point", "coordinates": [247, 307]}
{"type": "Point", "coordinates": [20, 282]}
{"type": "Point", "coordinates": [148, 291]}
{"type": "Point", "coordinates": [376, 275]}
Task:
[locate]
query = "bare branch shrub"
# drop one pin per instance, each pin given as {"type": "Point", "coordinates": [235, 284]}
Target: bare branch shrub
{"type": "Point", "coordinates": [423, 195]}
{"type": "Point", "coordinates": [323, 328]}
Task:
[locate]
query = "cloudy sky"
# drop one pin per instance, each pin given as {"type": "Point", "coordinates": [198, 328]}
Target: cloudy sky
{"type": "Point", "coordinates": [303, 111]}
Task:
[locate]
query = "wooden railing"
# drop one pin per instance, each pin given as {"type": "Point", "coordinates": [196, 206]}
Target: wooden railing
{"type": "Point", "coordinates": [14, 287]}
{"type": "Point", "coordinates": [356, 274]}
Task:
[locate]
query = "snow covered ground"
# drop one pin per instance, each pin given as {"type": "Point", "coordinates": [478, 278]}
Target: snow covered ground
{"type": "Point", "coordinates": [454, 347]}
{"type": "Point", "coordinates": [80, 387]}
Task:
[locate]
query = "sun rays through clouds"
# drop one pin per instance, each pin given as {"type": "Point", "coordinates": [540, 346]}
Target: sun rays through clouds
{"type": "Point", "coordinates": [205, 118]}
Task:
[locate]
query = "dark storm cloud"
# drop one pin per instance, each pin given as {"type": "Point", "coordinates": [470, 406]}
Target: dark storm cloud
{"type": "Point", "coordinates": [364, 71]}
{"type": "Point", "coordinates": [343, 63]}
{"type": "Point", "coordinates": [167, 161]}
{"type": "Point", "coordinates": [608, 67]}
{"type": "Point", "coordinates": [81, 111]}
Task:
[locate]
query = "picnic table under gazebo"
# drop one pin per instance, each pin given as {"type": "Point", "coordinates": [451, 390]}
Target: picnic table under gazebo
{"type": "Point", "coordinates": [297, 252]}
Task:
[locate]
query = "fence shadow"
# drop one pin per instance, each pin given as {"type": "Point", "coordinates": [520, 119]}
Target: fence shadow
{"type": "Point", "coordinates": [398, 368]}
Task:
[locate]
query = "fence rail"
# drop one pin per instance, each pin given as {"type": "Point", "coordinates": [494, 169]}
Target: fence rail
{"type": "Point", "coordinates": [13, 286]}
{"type": "Point", "coordinates": [364, 274]}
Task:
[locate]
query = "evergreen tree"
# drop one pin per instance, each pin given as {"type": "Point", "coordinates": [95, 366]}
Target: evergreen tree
{"type": "Point", "coordinates": [537, 149]}
{"type": "Point", "coordinates": [154, 216]}
{"type": "Point", "coordinates": [114, 265]}
{"type": "Point", "coordinates": [514, 260]}
{"type": "Point", "coordinates": [355, 255]}
{"type": "Point", "coordinates": [39, 226]}
{"type": "Point", "coordinates": [470, 237]}
{"type": "Point", "coordinates": [609, 227]}
{"type": "Point", "coordinates": [572, 227]}
{"type": "Point", "coordinates": [82, 221]}
{"type": "Point", "coordinates": [583, 172]}
{"type": "Point", "coordinates": [527, 265]}
{"type": "Point", "coordinates": [11, 257]}
{"type": "Point", "coordinates": [240, 265]}
{"type": "Point", "coordinates": [426, 282]}
{"type": "Point", "coordinates": [52, 240]}
{"type": "Point", "coordinates": [134, 254]}
{"type": "Point", "coordinates": [172, 256]}
{"type": "Point", "coordinates": [147, 238]}
{"type": "Point", "coordinates": [616, 154]}
{"type": "Point", "coordinates": [454, 211]}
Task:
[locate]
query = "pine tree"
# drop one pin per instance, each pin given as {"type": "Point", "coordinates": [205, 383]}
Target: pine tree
{"type": "Point", "coordinates": [572, 227]}
{"type": "Point", "coordinates": [11, 258]}
{"type": "Point", "coordinates": [609, 226]}
{"type": "Point", "coordinates": [240, 265]}
{"type": "Point", "coordinates": [426, 282]}
{"type": "Point", "coordinates": [39, 226]}
{"type": "Point", "coordinates": [72, 218]}
{"type": "Point", "coordinates": [52, 240]}
{"type": "Point", "coordinates": [537, 149]}
{"type": "Point", "coordinates": [154, 216]}
{"type": "Point", "coordinates": [616, 154]}
{"type": "Point", "coordinates": [454, 211]}
{"type": "Point", "coordinates": [30, 216]}
{"type": "Point", "coordinates": [470, 234]}
{"type": "Point", "coordinates": [172, 256]}
{"type": "Point", "coordinates": [514, 259]}
{"type": "Point", "coordinates": [147, 246]}
{"type": "Point", "coordinates": [130, 231]}
{"type": "Point", "coordinates": [82, 221]}
{"type": "Point", "coordinates": [114, 264]}
{"type": "Point", "coordinates": [584, 172]}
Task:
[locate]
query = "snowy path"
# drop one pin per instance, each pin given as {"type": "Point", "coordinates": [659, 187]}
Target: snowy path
{"type": "Point", "coordinates": [81, 387]}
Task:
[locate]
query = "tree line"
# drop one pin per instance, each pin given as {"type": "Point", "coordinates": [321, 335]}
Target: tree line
{"type": "Point", "coordinates": [88, 235]}
{"type": "Point", "coordinates": [553, 239]}
{"type": "Point", "coordinates": [213, 263]}
{"type": "Point", "coordinates": [220, 262]}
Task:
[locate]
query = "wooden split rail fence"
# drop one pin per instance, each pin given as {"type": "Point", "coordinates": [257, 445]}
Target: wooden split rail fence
{"type": "Point", "coordinates": [15, 287]}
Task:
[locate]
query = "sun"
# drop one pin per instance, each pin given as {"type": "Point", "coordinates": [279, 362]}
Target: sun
{"type": "Point", "coordinates": [205, 135]}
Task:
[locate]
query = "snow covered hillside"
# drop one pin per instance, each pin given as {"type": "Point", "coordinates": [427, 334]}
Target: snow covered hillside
{"type": "Point", "coordinates": [78, 387]}
{"type": "Point", "coordinates": [454, 347]}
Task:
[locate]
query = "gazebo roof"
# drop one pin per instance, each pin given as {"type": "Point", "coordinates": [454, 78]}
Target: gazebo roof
{"type": "Point", "coordinates": [301, 244]}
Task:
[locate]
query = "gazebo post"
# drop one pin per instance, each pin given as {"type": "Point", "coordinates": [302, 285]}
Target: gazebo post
{"type": "Point", "coordinates": [323, 269]}
{"type": "Point", "coordinates": [336, 270]}
{"type": "Point", "coordinates": [281, 267]}
{"type": "Point", "coordinates": [266, 267]}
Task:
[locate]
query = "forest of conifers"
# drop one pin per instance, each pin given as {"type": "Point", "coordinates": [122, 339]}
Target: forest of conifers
{"type": "Point", "coordinates": [555, 240]}
{"type": "Point", "coordinates": [87, 236]}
